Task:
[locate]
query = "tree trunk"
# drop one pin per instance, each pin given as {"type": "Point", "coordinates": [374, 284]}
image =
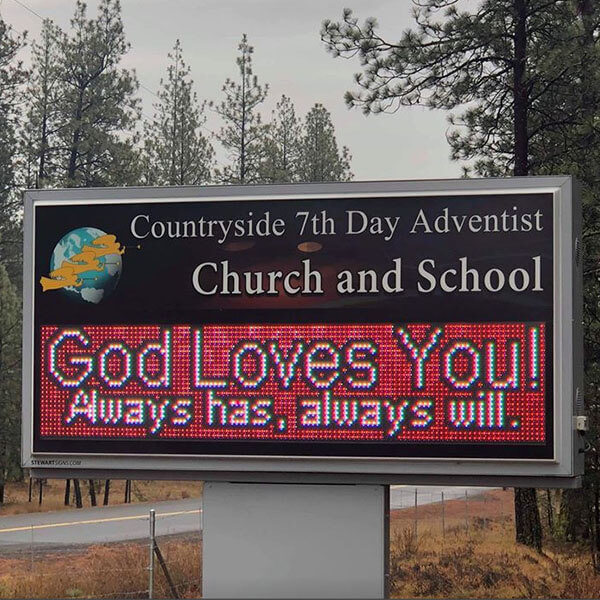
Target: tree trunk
{"type": "Point", "coordinates": [67, 492]}
{"type": "Point", "coordinates": [127, 491]}
{"type": "Point", "coordinates": [3, 474]}
{"type": "Point", "coordinates": [41, 178]}
{"type": "Point", "coordinates": [527, 518]}
{"type": "Point", "coordinates": [77, 488]}
{"type": "Point", "coordinates": [573, 515]}
{"type": "Point", "coordinates": [75, 140]}
{"type": "Point", "coordinates": [243, 123]}
{"type": "Point", "coordinates": [595, 541]}
{"type": "Point", "coordinates": [528, 525]}
{"type": "Point", "coordinates": [106, 492]}
{"type": "Point", "coordinates": [520, 90]}
{"type": "Point", "coordinates": [73, 158]}
{"type": "Point", "coordinates": [92, 492]}
{"type": "Point", "coordinates": [549, 511]}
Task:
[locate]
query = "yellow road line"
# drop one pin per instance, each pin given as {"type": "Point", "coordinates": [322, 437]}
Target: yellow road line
{"type": "Point", "coordinates": [95, 521]}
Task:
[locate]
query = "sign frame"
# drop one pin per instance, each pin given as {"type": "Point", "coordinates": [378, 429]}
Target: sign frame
{"type": "Point", "coordinates": [562, 470]}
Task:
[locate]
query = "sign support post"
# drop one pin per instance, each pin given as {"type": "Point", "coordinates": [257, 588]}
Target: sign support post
{"type": "Point", "coordinates": [152, 525]}
{"type": "Point", "coordinates": [295, 541]}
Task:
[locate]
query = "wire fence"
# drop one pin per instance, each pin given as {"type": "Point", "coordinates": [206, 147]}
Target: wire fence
{"type": "Point", "coordinates": [74, 554]}
{"type": "Point", "coordinates": [430, 515]}
{"type": "Point", "coordinates": [70, 555]}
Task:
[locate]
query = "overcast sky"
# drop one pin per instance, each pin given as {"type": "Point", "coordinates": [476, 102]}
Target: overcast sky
{"type": "Point", "coordinates": [288, 55]}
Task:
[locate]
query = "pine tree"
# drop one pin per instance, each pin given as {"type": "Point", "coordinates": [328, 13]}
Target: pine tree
{"type": "Point", "coordinates": [243, 136]}
{"type": "Point", "coordinates": [497, 61]}
{"type": "Point", "coordinates": [282, 146]}
{"type": "Point", "coordinates": [12, 77]}
{"type": "Point", "coordinates": [10, 380]}
{"type": "Point", "coordinates": [584, 161]}
{"type": "Point", "coordinates": [505, 62]}
{"type": "Point", "coordinates": [39, 140]}
{"type": "Point", "coordinates": [574, 148]}
{"type": "Point", "coordinates": [176, 151]}
{"type": "Point", "coordinates": [98, 107]}
{"type": "Point", "coordinates": [320, 159]}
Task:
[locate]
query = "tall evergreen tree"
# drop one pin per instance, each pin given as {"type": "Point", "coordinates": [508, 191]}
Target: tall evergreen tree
{"type": "Point", "coordinates": [282, 146]}
{"type": "Point", "coordinates": [320, 159]}
{"type": "Point", "coordinates": [575, 148]}
{"type": "Point", "coordinates": [10, 380]}
{"type": "Point", "coordinates": [98, 106]}
{"type": "Point", "coordinates": [12, 77]}
{"type": "Point", "coordinates": [39, 138]}
{"type": "Point", "coordinates": [176, 151]}
{"type": "Point", "coordinates": [243, 135]}
{"type": "Point", "coordinates": [503, 60]}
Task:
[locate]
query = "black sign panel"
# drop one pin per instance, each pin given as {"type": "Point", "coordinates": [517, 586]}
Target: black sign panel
{"type": "Point", "coordinates": [452, 258]}
{"type": "Point", "coordinates": [366, 326]}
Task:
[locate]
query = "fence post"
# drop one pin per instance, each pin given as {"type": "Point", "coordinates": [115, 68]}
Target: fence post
{"type": "Point", "coordinates": [152, 542]}
{"type": "Point", "coordinates": [443, 518]}
{"type": "Point", "coordinates": [416, 514]}
{"type": "Point", "coordinates": [163, 565]}
{"type": "Point", "coordinates": [31, 552]}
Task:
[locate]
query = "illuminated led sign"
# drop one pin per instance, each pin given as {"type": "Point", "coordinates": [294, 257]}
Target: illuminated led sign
{"type": "Point", "coordinates": [349, 328]}
{"type": "Point", "coordinates": [460, 383]}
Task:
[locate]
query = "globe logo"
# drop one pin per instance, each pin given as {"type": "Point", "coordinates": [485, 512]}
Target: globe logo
{"type": "Point", "coordinates": [86, 265]}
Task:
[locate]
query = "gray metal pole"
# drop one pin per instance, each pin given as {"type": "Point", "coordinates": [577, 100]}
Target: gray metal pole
{"type": "Point", "coordinates": [152, 542]}
{"type": "Point", "coordinates": [467, 510]}
{"type": "Point", "coordinates": [386, 541]}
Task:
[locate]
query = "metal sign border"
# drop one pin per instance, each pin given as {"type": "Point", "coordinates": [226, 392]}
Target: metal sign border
{"type": "Point", "coordinates": [567, 351]}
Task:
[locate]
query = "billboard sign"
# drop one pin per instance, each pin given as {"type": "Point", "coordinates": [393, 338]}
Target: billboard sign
{"type": "Point", "coordinates": [378, 329]}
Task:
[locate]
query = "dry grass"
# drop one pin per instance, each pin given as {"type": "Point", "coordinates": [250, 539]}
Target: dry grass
{"type": "Point", "coordinates": [474, 557]}
{"type": "Point", "coordinates": [115, 571]}
{"type": "Point", "coordinates": [16, 494]}
{"type": "Point", "coordinates": [478, 558]}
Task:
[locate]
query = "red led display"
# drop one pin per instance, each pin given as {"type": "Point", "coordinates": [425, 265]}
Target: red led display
{"type": "Point", "coordinates": [394, 382]}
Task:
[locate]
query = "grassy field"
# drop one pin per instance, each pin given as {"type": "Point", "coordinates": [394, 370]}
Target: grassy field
{"type": "Point", "coordinates": [16, 494]}
{"type": "Point", "coordinates": [104, 571]}
{"type": "Point", "coordinates": [469, 553]}
{"type": "Point", "coordinates": [475, 556]}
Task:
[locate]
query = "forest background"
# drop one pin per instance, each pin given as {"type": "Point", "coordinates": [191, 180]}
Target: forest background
{"type": "Point", "coordinates": [517, 80]}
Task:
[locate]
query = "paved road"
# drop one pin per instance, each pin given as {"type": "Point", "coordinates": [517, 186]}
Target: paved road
{"type": "Point", "coordinates": [99, 525]}
{"type": "Point", "coordinates": [130, 521]}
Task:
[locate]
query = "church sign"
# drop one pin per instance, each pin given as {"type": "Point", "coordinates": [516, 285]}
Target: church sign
{"type": "Point", "coordinates": [378, 330]}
